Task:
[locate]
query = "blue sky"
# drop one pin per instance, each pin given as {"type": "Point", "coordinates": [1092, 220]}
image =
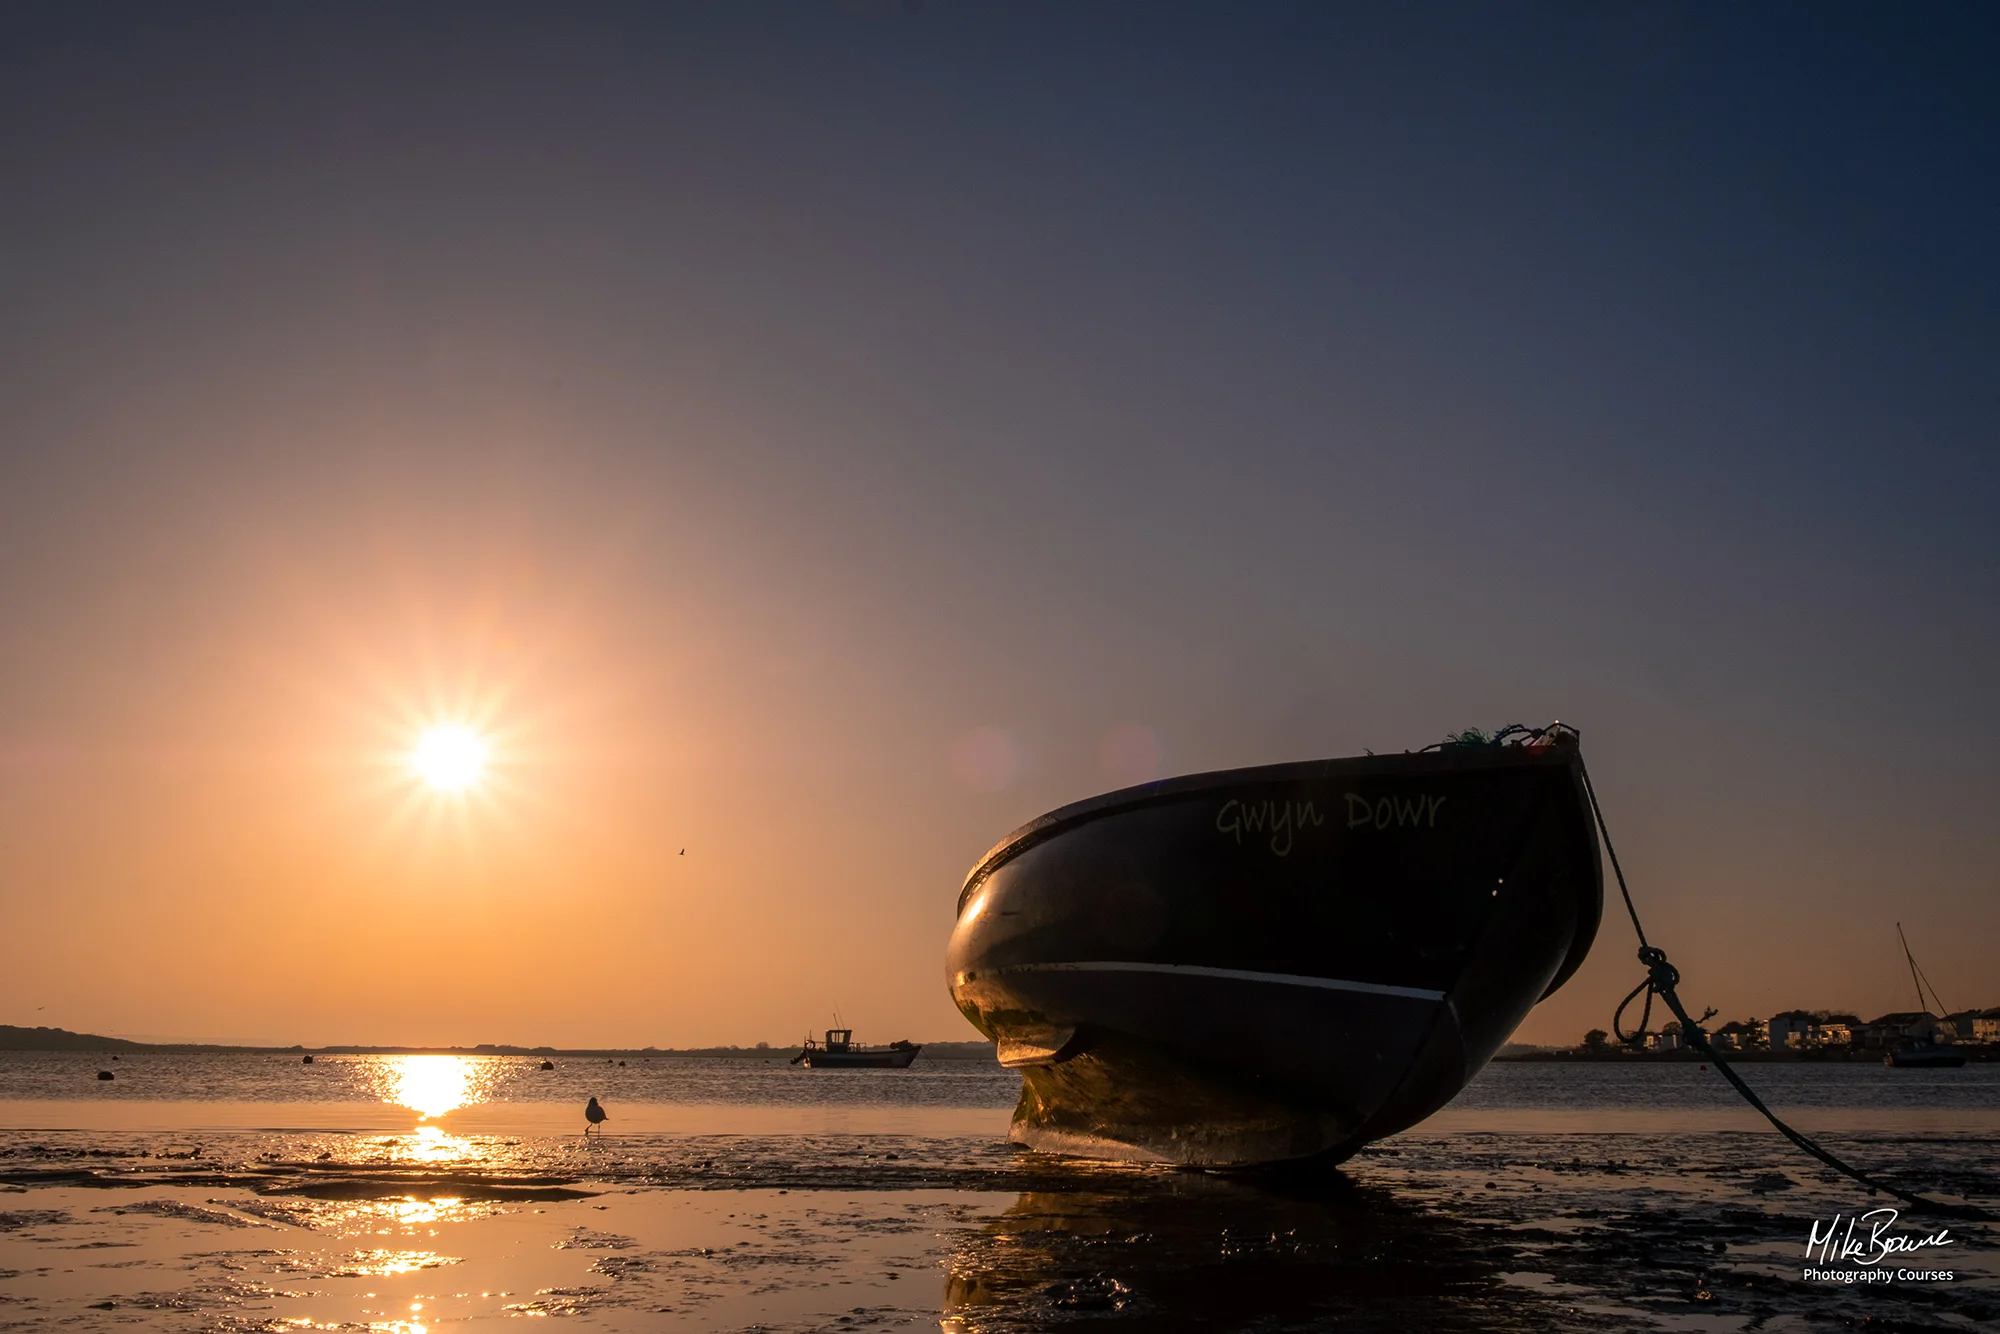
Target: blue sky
{"type": "Point", "coordinates": [804, 393]}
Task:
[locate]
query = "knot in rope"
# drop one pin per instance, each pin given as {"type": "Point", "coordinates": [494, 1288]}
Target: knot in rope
{"type": "Point", "coordinates": [1661, 979]}
{"type": "Point", "coordinates": [1661, 976]}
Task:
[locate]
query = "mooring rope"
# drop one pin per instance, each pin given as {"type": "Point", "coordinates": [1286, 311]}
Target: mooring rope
{"type": "Point", "coordinates": [1661, 980]}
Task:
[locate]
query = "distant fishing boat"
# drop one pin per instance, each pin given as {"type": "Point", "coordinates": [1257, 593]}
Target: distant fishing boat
{"type": "Point", "coordinates": [1278, 963]}
{"type": "Point", "coordinates": [841, 1052]}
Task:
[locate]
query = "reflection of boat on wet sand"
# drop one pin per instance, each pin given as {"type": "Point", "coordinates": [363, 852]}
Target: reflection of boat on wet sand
{"type": "Point", "coordinates": [1278, 963]}
{"type": "Point", "coordinates": [841, 1052]}
{"type": "Point", "coordinates": [1206, 1252]}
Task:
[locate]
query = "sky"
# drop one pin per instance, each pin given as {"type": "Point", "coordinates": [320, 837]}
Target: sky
{"type": "Point", "coordinates": [822, 437]}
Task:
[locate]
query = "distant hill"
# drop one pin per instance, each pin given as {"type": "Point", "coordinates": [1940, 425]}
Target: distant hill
{"type": "Point", "coordinates": [13, 1038]}
{"type": "Point", "coordinates": [60, 1039]}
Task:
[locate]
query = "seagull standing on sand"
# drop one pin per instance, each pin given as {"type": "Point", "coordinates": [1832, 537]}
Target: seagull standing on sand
{"type": "Point", "coordinates": [594, 1114]}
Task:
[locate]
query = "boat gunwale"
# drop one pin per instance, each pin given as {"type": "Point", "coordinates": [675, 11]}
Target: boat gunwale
{"type": "Point", "coordinates": [1164, 790]}
{"type": "Point", "coordinates": [1454, 760]}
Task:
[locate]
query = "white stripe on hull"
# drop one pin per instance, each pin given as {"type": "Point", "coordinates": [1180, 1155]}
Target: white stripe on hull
{"type": "Point", "coordinates": [1231, 974]}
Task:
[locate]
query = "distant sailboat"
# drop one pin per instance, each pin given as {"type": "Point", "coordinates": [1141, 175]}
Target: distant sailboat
{"type": "Point", "coordinates": [1925, 1053]}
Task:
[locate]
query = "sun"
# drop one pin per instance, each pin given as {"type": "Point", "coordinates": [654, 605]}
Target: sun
{"type": "Point", "coordinates": [449, 758]}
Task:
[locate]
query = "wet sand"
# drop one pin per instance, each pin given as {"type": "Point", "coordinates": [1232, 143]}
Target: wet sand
{"type": "Point", "coordinates": [639, 1258]}
{"type": "Point", "coordinates": [1437, 1230]}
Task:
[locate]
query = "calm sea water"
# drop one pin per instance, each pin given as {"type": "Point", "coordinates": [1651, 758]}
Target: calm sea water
{"type": "Point", "coordinates": [440, 1084]}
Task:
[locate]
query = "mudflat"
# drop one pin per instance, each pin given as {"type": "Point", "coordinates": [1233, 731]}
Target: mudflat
{"type": "Point", "coordinates": [1546, 1198]}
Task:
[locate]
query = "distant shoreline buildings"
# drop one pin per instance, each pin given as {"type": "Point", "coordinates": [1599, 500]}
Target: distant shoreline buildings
{"type": "Point", "coordinates": [1822, 1032]}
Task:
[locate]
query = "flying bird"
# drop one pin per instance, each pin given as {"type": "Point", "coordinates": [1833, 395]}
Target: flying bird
{"type": "Point", "coordinates": [684, 852]}
{"type": "Point", "coordinates": [594, 1114]}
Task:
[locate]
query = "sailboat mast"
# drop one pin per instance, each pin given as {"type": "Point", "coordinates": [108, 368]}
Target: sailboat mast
{"type": "Point", "coordinates": [1911, 959]}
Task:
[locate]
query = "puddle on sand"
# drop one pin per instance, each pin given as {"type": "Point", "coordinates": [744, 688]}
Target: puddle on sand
{"type": "Point", "coordinates": [640, 1259]}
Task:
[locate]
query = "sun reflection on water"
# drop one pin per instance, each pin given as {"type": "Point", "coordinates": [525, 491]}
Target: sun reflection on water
{"type": "Point", "coordinates": [414, 1212]}
{"type": "Point", "coordinates": [434, 1085]}
{"type": "Point", "coordinates": [432, 1145]}
{"type": "Point", "coordinates": [389, 1264]}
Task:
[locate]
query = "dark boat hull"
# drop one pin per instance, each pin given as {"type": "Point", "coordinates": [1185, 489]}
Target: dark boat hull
{"type": "Point", "coordinates": [1276, 963]}
{"type": "Point", "coordinates": [1924, 1058]}
{"type": "Point", "coordinates": [860, 1060]}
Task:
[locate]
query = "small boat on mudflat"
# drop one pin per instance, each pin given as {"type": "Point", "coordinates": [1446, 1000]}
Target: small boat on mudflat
{"type": "Point", "coordinates": [1278, 963]}
{"type": "Point", "coordinates": [841, 1052]}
